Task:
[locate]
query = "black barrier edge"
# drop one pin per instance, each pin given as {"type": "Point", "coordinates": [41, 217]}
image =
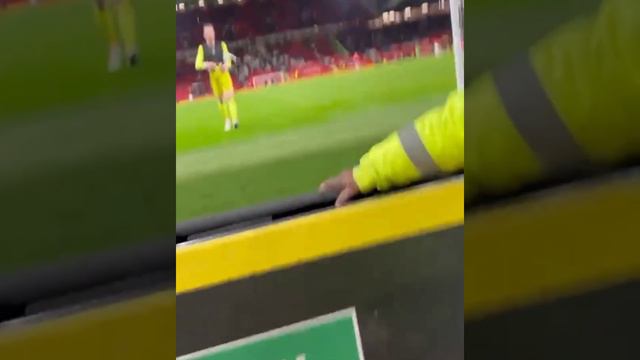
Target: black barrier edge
{"type": "Point", "coordinates": [597, 324]}
{"type": "Point", "coordinates": [135, 289]}
{"type": "Point", "coordinates": [485, 202]}
{"type": "Point", "coordinates": [268, 212]}
{"type": "Point", "coordinates": [246, 218]}
{"type": "Point", "coordinates": [21, 289]}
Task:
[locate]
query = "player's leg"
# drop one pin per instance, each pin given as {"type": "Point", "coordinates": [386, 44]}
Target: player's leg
{"type": "Point", "coordinates": [125, 16]}
{"type": "Point", "coordinates": [216, 87]}
{"type": "Point", "coordinates": [228, 97]}
{"type": "Point", "coordinates": [107, 21]}
{"type": "Point", "coordinates": [232, 108]}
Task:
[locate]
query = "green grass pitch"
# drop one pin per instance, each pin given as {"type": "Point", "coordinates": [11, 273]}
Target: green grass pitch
{"type": "Point", "coordinates": [73, 137]}
{"type": "Point", "coordinates": [294, 135]}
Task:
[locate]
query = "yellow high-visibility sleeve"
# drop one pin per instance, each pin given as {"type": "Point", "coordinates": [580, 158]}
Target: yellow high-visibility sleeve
{"type": "Point", "coordinates": [585, 113]}
{"type": "Point", "coordinates": [399, 160]}
{"type": "Point", "coordinates": [590, 70]}
{"type": "Point", "coordinates": [442, 132]}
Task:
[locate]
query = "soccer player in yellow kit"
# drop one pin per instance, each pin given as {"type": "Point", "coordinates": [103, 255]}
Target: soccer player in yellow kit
{"type": "Point", "coordinates": [118, 20]}
{"type": "Point", "coordinates": [214, 56]}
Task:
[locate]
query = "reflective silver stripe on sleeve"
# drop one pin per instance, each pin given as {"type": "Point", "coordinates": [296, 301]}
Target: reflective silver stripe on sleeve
{"type": "Point", "coordinates": [535, 117]}
{"type": "Point", "coordinates": [417, 151]}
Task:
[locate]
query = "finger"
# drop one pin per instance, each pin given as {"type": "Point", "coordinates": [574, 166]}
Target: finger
{"type": "Point", "coordinates": [345, 196]}
{"type": "Point", "coordinates": [327, 187]}
{"type": "Point", "coordinates": [323, 187]}
{"type": "Point", "coordinates": [331, 185]}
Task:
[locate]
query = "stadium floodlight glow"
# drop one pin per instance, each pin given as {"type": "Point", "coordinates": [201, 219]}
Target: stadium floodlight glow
{"type": "Point", "coordinates": [425, 8]}
{"type": "Point", "coordinates": [220, 2]}
{"type": "Point", "coordinates": [407, 13]}
{"type": "Point", "coordinates": [181, 6]}
{"type": "Point", "coordinates": [201, 3]}
{"type": "Point", "coordinates": [385, 17]}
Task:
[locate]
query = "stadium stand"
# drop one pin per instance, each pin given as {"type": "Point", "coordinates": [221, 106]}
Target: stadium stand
{"type": "Point", "coordinates": [294, 39]}
{"type": "Point", "coordinates": [5, 4]}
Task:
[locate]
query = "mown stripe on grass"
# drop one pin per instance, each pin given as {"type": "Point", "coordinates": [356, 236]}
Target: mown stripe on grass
{"type": "Point", "coordinates": [370, 124]}
{"type": "Point", "coordinates": [41, 138]}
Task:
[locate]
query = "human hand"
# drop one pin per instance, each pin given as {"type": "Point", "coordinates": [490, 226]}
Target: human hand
{"type": "Point", "coordinates": [344, 185]}
{"type": "Point", "coordinates": [224, 67]}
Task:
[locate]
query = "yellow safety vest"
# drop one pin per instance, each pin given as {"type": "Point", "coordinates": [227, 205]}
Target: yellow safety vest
{"type": "Point", "coordinates": [571, 103]}
{"type": "Point", "coordinates": [200, 56]}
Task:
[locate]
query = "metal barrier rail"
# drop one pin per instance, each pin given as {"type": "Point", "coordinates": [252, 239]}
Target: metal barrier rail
{"type": "Point", "coordinates": [251, 216]}
{"type": "Point", "coordinates": [134, 326]}
{"type": "Point", "coordinates": [20, 291]}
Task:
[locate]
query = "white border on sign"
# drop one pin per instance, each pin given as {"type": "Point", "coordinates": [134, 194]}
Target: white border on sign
{"type": "Point", "coordinates": [350, 312]}
{"type": "Point", "coordinates": [356, 328]}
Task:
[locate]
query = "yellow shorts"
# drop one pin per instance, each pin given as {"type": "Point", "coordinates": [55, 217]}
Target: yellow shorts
{"type": "Point", "coordinates": [221, 82]}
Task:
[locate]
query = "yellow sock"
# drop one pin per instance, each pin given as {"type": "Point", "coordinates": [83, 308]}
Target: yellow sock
{"type": "Point", "coordinates": [223, 110]}
{"type": "Point", "coordinates": [127, 25]}
{"type": "Point", "coordinates": [232, 109]}
{"type": "Point", "coordinates": [105, 15]}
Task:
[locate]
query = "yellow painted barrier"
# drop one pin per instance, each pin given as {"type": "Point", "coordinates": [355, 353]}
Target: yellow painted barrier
{"type": "Point", "coordinates": [561, 242]}
{"type": "Point", "coordinates": [140, 328]}
{"type": "Point", "coordinates": [368, 223]}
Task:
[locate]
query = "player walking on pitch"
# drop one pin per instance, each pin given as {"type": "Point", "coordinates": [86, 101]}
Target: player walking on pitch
{"type": "Point", "coordinates": [118, 20]}
{"type": "Point", "coordinates": [214, 57]}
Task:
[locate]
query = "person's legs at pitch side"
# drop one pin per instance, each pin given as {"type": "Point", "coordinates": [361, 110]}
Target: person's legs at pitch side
{"type": "Point", "coordinates": [117, 19]}
{"type": "Point", "coordinates": [229, 102]}
{"type": "Point", "coordinates": [228, 97]}
{"type": "Point", "coordinates": [216, 87]}
{"type": "Point", "coordinates": [107, 20]}
{"type": "Point", "coordinates": [125, 16]}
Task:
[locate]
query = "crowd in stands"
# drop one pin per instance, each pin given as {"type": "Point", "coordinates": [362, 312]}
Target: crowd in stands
{"type": "Point", "coordinates": [254, 18]}
{"type": "Point", "coordinates": [263, 59]}
{"type": "Point", "coordinates": [4, 4]}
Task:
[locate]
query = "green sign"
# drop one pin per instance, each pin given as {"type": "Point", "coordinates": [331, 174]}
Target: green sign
{"type": "Point", "coordinates": [330, 337]}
